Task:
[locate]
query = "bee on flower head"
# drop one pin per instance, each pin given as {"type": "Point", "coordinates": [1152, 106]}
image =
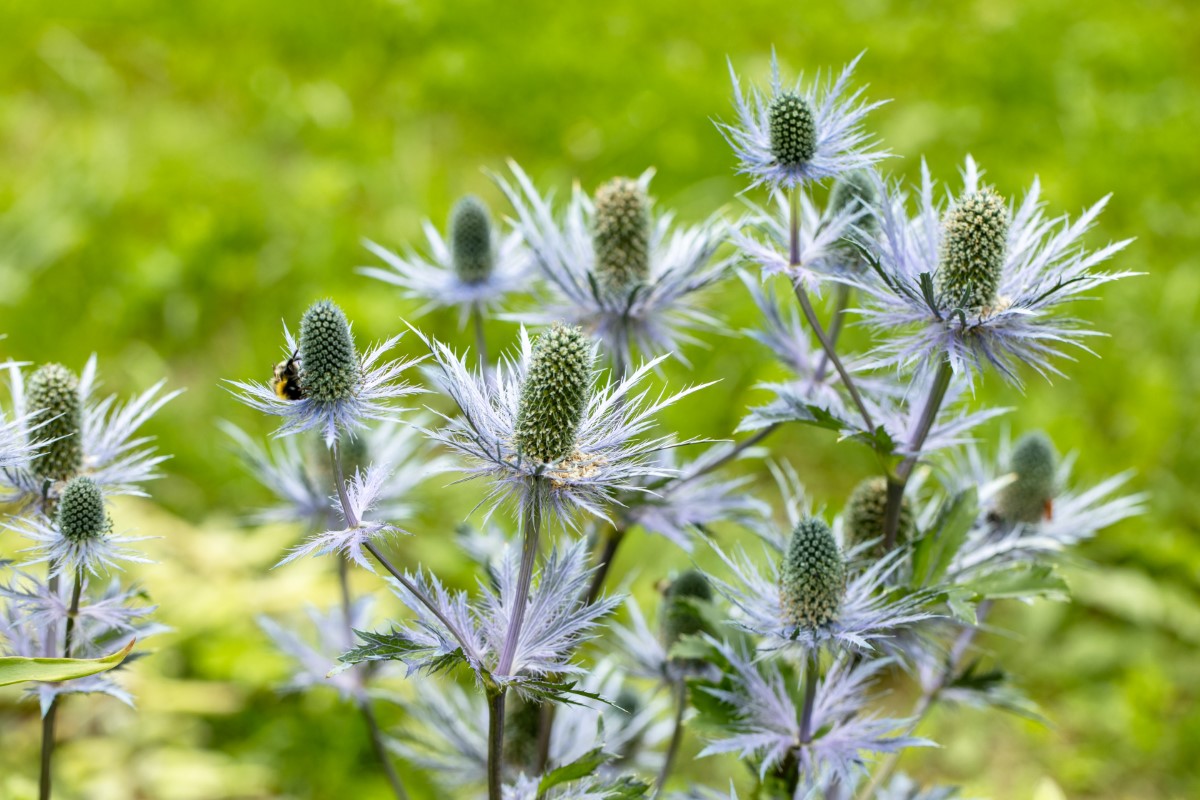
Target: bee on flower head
{"type": "Point", "coordinates": [287, 378]}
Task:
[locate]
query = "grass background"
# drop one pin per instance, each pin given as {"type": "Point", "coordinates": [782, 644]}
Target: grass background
{"type": "Point", "coordinates": [177, 178]}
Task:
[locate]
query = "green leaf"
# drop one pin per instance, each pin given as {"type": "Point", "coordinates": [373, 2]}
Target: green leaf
{"type": "Point", "coordinates": [1023, 581]}
{"type": "Point", "coordinates": [934, 551]}
{"type": "Point", "coordinates": [398, 646]}
{"type": "Point", "coordinates": [18, 670]}
{"type": "Point", "coordinates": [581, 767]}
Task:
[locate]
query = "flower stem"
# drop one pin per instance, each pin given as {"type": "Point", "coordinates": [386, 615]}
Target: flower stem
{"type": "Point", "coordinates": [531, 524]}
{"type": "Point", "coordinates": [811, 315]}
{"type": "Point", "coordinates": [612, 540]}
{"type": "Point", "coordinates": [810, 697]}
{"type": "Point", "coordinates": [48, 721]}
{"type": "Point", "coordinates": [480, 338]}
{"type": "Point", "coordinates": [841, 302]}
{"type": "Point", "coordinates": [495, 743]}
{"type": "Point", "coordinates": [899, 482]}
{"type": "Point", "coordinates": [681, 696]}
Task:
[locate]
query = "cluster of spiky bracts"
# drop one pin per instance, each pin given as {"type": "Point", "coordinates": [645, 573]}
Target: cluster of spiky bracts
{"type": "Point", "coordinates": [975, 236]}
{"type": "Point", "coordinates": [622, 235]}
{"type": "Point", "coordinates": [554, 395]}
{"type": "Point", "coordinates": [812, 579]}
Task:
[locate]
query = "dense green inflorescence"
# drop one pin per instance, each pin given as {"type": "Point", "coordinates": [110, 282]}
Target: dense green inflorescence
{"type": "Point", "coordinates": [81, 511]}
{"type": "Point", "coordinates": [679, 615]}
{"type": "Point", "coordinates": [866, 510]}
{"type": "Point", "coordinates": [471, 240]}
{"type": "Point", "coordinates": [812, 581]}
{"type": "Point", "coordinates": [329, 367]}
{"type": "Point", "coordinates": [555, 394]}
{"type": "Point", "coordinates": [793, 130]}
{"type": "Point", "coordinates": [621, 233]}
{"type": "Point", "coordinates": [1034, 464]}
{"type": "Point", "coordinates": [974, 238]}
{"type": "Point", "coordinates": [53, 397]}
{"type": "Point", "coordinates": [857, 190]}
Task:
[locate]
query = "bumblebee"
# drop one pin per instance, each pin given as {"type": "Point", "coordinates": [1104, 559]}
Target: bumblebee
{"type": "Point", "coordinates": [287, 378]}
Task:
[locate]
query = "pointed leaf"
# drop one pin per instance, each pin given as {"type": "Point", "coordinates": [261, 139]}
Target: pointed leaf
{"type": "Point", "coordinates": [14, 669]}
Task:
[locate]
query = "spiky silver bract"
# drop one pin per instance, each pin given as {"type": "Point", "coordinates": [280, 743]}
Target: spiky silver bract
{"type": "Point", "coordinates": [654, 315]}
{"type": "Point", "coordinates": [1034, 466]}
{"type": "Point", "coordinates": [376, 384]}
{"type": "Point", "coordinates": [315, 655]}
{"type": "Point", "coordinates": [803, 133]}
{"type": "Point", "coordinates": [1045, 266]}
{"type": "Point", "coordinates": [610, 453]}
{"type": "Point", "coordinates": [79, 538]}
{"type": "Point", "coordinates": [767, 724]}
{"type": "Point", "coordinates": [53, 397]}
{"type": "Point", "coordinates": [453, 273]}
{"type": "Point", "coordinates": [554, 395]}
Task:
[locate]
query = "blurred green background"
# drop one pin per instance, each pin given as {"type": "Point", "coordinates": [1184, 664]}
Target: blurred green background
{"type": "Point", "coordinates": [176, 179]}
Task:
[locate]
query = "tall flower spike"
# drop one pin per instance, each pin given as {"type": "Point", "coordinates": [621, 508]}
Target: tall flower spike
{"type": "Point", "coordinates": [54, 400]}
{"type": "Point", "coordinates": [813, 579]}
{"type": "Point", "coordinates": [866, 509]}
{"type": "Point", "coordinates": [329, 368]}
{"type": "Point", "coordinates": [1034, 464]}
{"type": "Point", "coordinates": [471, 240]}
{"type": "Point", "coordinates": [554, 395]}
{"type": "Point", "coordinates": [973, 247]}
{"type": "Point", "coordinates": [622, 234]}
{"type": "Point", "coordinates": [81, 512]}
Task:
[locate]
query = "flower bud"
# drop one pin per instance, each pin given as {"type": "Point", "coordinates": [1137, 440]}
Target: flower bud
{"type": "Point", "coordinates": [622, 235]}
{"type": "Point", "coordinates": [813, 579]}
{"type": "Point", "coordinates": [81, 511]}
{"type": "Point", "coordinates": [53, 399]}
{"type": "Point", "coordinates": [555, 394]}
{"type": "Point", "coordinates": [857, 191]}
{"type": "Point", "coordinates": [1030, 495]}
{"type": "Point", "coordinates": [679, 615]}
{"type": "Point", "coordinates": [793, 130]}
{"type": "Point", "coordinates": [866, 510]}
{"type": "Point", "coordinates": [329, 367]}
{"type": "Point", "coordinates": [974, 238]}
{"type": "Point", "coordinates": [471, 240]}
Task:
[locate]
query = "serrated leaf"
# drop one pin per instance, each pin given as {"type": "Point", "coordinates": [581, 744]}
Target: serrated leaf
{"type": "Point", "coordinates": [959, 601]}
{"type": "Point", "coordinates": [15, 669]}
{"type": "Point", "coordinates": [396, 645]}
{"type": "Point", "coordinates": [581, 767]}
{"type": "Point", "coordinates": [934, 551]}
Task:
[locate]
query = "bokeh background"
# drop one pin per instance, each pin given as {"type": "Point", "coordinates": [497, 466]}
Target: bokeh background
{"type": "Point", "coordinates": [176, 179]}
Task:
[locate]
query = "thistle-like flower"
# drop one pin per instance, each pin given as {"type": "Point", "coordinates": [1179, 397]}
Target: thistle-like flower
{"type": "Point", "coordinates": [978, 282]}
{"type": "Point", "coordinates": [618, 269]}
{"type": "Point", "coordinates": [334, 388]}
{"type": "Point", "coordinates": [863, 518]}
{"type": "Point", "coordinates": [812, 597]}
{"type": "Point", "coordinates": [80, 536]}
{"type": "Point", "coordinates": [761, 696]}
{"type": "Point", "coordinates": [77, 434]}
{"type": "Point", "coordinates": [802, 134]}
{"type": "Point", "coordinates": [541, 418]}
{"type": "Point", "coordinates": [1030, 496]}
{"type": "Point", "coordinates": [473, 270]}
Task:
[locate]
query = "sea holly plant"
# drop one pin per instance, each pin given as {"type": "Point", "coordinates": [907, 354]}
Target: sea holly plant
{"type": "Point", "coordinates": [537, 680]}
{"type": "Point", "coordinates": [68, 620]}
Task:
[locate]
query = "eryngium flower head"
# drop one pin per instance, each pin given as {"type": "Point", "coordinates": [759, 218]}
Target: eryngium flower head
{"type": "Point", "coordinates": [554, 395]}
{"type": "Point", "coordinates": [857, 191]}
{"type": "Point", "coordinates": [329, 367]}
{"type": "Point", "coordinates": [621, 227]}
{"type": "Point", "coordinates": [974, 239]}
{"type": "Point", "coordinates": [1044, 265]}
{"type": "Point", "coordinates": [471, 240]}
{"type": "Point", "coordinates": [1034, 467]}
{"type": "Point", "coordinates": [53, 397]}
{"type": "Point", "coordinates": [812, 580]}
{"type": "Point", "coordinates": [680, 614]}
{"type": "Point", "coordinates": [651, 310]}
{"type": "Point", "coordinates": [805, 133]}
{"type": "Point", "coordinates": [81, 511]}
{"type": "Point", "coordinates": [863, 518]}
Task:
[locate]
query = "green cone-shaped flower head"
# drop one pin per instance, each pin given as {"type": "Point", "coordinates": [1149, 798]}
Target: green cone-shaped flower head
{"type": "Point", "coordinates": [1034, 464]}
{"type": "Point", "coordinates": [622, 235]}
{"type": "Point", "coordinates": [81, 511]}
{"type": "Point", "coordinates": [812, 581]}
{"type": "Point", "coordinates": [679, 615]}
{"type": "Point", "coordinates": [974, 237]}
{"type": "Point", "coordinates": [857, 190]}
{"type": "Point", "coordinates": [866, 510]}
{"type": "Point", "coordinates": [53, 395]}
{"type": "Point", "coordinates": [555, 394]}
{"type": "Point", "coordinates": [793, 129]}
{"type": "Point", "coordinates": [471, 240]}
{"type": "Point", "coordinates": [329, 367]}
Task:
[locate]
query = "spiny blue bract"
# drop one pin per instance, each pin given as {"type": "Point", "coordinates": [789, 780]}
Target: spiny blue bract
{"type": "Point", "coordinates": [329, 368]}
{"type": "Point", "coordinates": [1028, 497]}
{"type": "Point", "coordinates": [471, 240]}
{"type": "Point", "coordinates": [53, 394]}
{"type": "Point", "coordinates": [858, 191]}
{"type": "Point", "coordinates": [679, 615]}
{"type": "Point", "coordinates": [554, 395]}
{"type": "Point", "coordinates": [793, 130]}
{"type": "Point", "coordinates": [813, 579]}
{"type": "Point", "coordinates": [622, 235]}
{"type": "Point", "coordinates": [975, 234]}
{"type": "Point", "coordinates": [81, 512]}
{"type": "Point", "coordinates": [866, 510]}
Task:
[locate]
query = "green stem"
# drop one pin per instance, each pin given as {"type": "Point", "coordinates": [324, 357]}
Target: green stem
{"type": "Point", "coordinates": [495, 763]}
{"type": "Point", "coordinates": [676, 737]}
{"type": "Point", "coordinates": [45, 778]}
{"type": "Point", "coordinates": [810, 697]}
{"type": "Point", "coordinates": [840, 304]}
{"type": "Point", "coordinates": [480, 337]}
